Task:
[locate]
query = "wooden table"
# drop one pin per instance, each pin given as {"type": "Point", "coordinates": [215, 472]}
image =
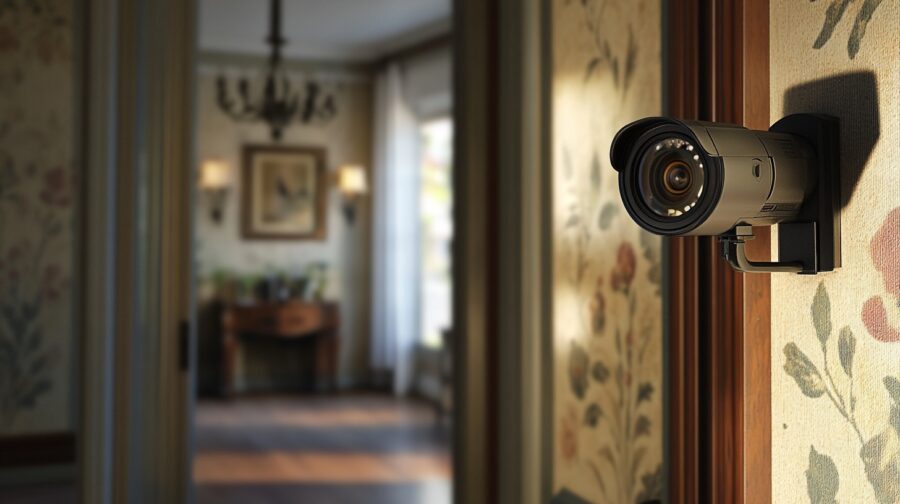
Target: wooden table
{"type": "Point", "coordinates": [291, 320]}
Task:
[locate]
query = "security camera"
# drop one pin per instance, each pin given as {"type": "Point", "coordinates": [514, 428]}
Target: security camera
{"type": "Point", "coordinates": [701, 178]}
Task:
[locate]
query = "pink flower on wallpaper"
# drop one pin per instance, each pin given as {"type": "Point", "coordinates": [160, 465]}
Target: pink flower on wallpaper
{"type": "Point", "coordinates": [568, 435]}
{"type": "Point", "coordinates": [623, 272]}
{"type": "Point", "coordinates": [875, 318]}
{"type": "Point", "coordinates": [56, 188]}
{"type": "Point", "coordinates": [8, 40]}
{"type": "Point", "coordinates": [885, 250]}
{"type": "Point", "coordinates": [598, 307]}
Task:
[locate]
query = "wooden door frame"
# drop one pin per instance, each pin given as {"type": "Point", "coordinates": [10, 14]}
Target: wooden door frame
{"type": "Point", "coordinates": [719, 320]}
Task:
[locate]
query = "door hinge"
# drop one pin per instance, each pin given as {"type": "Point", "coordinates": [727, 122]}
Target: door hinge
{"type": "Point", "coordinates": [184, 345]}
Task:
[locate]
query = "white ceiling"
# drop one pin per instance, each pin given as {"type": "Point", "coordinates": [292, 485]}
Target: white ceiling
{"type": "Point", "coordinates": [352, 30]}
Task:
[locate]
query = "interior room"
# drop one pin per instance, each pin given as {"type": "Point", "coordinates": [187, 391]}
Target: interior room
{"type": "Point", "coordinates": [323, 251]}
{"type": "Point", "coordinates": [434, 251]}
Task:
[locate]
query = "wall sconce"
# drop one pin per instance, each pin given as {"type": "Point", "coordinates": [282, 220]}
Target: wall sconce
{"type": "Point", "coordinates": [215, 182]}
{"type": "Point", "coordinates": [352, 184]}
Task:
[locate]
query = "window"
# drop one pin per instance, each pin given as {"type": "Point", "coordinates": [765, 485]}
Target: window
{"type": "Point", "coordinates": [436, 202]}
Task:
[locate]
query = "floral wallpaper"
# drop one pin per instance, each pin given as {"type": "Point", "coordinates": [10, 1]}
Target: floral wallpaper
{"type": "Point", "coordinates": [836, 336]}
{"type": "Point", "coordinates": [607, 305]}
{"type": "Point", "coordinates": [36, 215]}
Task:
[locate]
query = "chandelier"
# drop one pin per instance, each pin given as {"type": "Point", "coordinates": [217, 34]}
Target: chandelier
{"type": "Point", "coordinates": [279, 104]}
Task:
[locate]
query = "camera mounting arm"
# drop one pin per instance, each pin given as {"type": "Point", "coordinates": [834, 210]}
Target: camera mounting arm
{"type": "Point", "coordinates": [734, 252]}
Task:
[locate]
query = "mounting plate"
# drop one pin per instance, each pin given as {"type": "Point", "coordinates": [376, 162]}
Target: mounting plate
{"type": "Point", "coordinates": [812, 242]}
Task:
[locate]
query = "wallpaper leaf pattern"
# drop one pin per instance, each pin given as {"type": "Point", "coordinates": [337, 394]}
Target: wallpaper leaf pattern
{"type": "Point", "coordinates": [36, 204]}
{"type": "Point", "coordinates": [611, 392]}
{"type": "Point", "coordinates": [604, 58]}
{"type": "Point", "coordinates": [609, 418]}
{"type": "Point", "coordinates": [880, 453]}
{"type": "Point", "coordinates": [822, 478]}
{"type": "Point", "coordinates": [833, 15]}
{"type": "Point", "coordinates": [836, 335]}
{"type": "Point", "coordinates": [884, 249]}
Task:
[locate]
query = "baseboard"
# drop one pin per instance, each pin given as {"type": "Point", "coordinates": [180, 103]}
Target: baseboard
{"type": "Point", "coordinates": [28, 450]}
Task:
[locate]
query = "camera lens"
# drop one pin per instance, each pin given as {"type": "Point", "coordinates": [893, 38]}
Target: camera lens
{"type": "Point", "coordinates": [677, 177]}
{"type": "Point", "coordinates": [670, 176]}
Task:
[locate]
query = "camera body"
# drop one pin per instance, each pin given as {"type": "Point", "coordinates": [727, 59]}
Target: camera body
{"type": "Point", "coordinates": [702, 178]}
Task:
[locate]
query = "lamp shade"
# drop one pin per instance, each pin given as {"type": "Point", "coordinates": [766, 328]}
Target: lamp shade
{"type": "Point", "coordinates": [214, 174]}
{"type": "Point", "coordinates": [352, 180]}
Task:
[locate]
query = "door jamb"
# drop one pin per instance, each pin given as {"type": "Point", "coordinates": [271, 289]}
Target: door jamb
{"type": "Point", "coordinates": [720, 442]}
{"type": "Point", "coordinates": [98, 226]}
{"type": "Point", "coordinates": [500, 251]}
{"type": "Point", "coordinates": [137, 178]}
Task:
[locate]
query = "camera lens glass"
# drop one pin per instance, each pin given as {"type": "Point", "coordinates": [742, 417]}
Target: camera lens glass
{"type": "Point", "coordinates": [670, 176]}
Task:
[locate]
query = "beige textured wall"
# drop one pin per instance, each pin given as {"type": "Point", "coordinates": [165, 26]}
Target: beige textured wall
{"type": "Point", "coordinates": [836, 336]}
{"type": "Point", "coordinates": [347, 139]}
{"type": "Point", "coordinates": [607, 307]}
{"type": "Point", "coordinates": [37, 216]}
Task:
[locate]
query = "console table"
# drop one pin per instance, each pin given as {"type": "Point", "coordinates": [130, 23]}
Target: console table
{"type": "Point", "coordinates": [292, 320]}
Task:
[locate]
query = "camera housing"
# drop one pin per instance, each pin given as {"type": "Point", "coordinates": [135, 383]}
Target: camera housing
{"type": "Point", "coordinates": [701, 178]}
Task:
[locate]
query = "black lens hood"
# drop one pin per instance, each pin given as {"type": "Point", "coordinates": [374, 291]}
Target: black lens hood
{"type": "Point", "coordinates": [629, 185]}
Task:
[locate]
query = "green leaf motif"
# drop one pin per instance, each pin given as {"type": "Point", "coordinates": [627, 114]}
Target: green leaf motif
{"type": "Point", "coordinates": [847, 349]}
{"type": "Point", "coordinates": [642, 426]}
{"type": "Point", "coordinates": [822, 478]}
{"type": "Point", "coordinates": [821, 314]}
{"type": "Point", "coordinates": [596, 173]}
{"type": "Point", "coordinates": [592, 414]}
{"type": "Point", "coordinates": [578, 370]}
{"type": "Point", "coordinates": [609, 212]}
{"type": "Point", "coordinates": [650, 244]}
{"type": "Point", "coordinates": [881, 458]}
{"type": "Point", "coordinates": [893, 386]}
{"type": "Point", "coordinates": [859, 26]}
{"type": "Point", "coordinates": [833, 15]}
{"type": "Point", "coordinates": [798, 366]}
{"type": "Point", "coordinates": [652, 485]}
{"type": "Point", "coordinates": [645, 392]}
{"type": "Point", "coordinates": [600, 372]}
{"type": "Point", "coordinates": [590, 68]}
{"type": "Point", "coordinates": [630, 59]}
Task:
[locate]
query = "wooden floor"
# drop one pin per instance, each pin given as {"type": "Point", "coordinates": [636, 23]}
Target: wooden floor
{"type": "Point", "coordinates": [39, 494]}
{"type": "Point", "coordinates": [320, 449]}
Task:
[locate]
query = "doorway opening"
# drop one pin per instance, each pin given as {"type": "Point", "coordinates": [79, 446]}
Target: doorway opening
{"type": "Point", "coordinates": [322, 250]}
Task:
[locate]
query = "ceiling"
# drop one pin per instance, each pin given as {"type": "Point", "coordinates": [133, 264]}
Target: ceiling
{"type": "Point", "coordinates": [347, 30]}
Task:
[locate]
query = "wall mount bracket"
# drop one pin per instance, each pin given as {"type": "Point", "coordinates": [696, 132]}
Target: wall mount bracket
{"type": "Point", "coordinates": [812, 242]}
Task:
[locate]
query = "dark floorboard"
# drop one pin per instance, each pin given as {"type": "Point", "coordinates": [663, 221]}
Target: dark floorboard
{"type": "Point", "coordinates": [424, 492]}
{"type": "Point", "coordinates": [320, 449]}
{"type": "Point", "coordinates": [57, 494]}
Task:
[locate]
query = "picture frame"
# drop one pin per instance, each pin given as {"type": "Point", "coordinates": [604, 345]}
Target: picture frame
{"type": "Point", "coordinates": [283, 193]}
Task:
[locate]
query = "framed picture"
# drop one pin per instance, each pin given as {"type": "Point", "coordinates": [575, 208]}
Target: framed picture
{"type": "Point", "coordinates": [284, 193]}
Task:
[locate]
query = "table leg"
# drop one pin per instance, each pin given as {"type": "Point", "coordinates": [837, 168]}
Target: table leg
{"type": "Point", "coordinates": [229, 355]}
{"type": "Point", "coordinates": [326, 361]}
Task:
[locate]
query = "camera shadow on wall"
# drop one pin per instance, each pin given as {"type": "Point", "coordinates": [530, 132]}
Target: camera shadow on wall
{"type": "Point", "coordinates": [853, 98]}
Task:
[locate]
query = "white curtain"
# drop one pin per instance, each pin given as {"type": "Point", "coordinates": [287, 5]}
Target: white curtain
{"type": "Point", "coordinates": [396, 243]}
